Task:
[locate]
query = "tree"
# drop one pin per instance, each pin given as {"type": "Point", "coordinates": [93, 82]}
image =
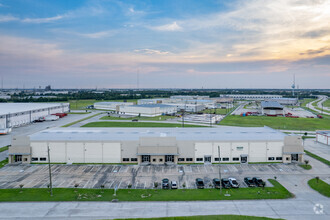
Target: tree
{"type": "Point", "coordinates": [306, 162]}
{"type": "Point", "coordinates": [317, 179]}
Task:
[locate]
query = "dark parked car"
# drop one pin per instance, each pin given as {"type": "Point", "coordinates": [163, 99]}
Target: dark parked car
{"type": "Point", "coordinates": [258, 181]}
{"type": "Point", "coordinates": [216, 183]}
{"type": "Point", "coordinates": [249, 182]}
{"type": "Point", "coordinates": [135, 120]}
{"type": "Point", "coordinates": [225, 183]}
{"type": "Point", "coordinates": [233, 182]}
{"type": "Point", "coordinates": [165, 183]}
{"type": "Point", "coordinates": [199, 183]}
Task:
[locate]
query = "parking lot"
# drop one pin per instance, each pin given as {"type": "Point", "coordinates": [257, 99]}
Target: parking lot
{"type": "Point", "coordinates": [140, 177]}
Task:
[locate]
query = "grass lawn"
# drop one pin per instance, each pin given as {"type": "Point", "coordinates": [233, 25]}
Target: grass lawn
{"type": "Point", "coordinates": [3, 163]}
{"type": "Point", "coordinates": [310, 124]}
{"type": "Point", "coordinates": [320, 186]}
{"type": "Point", "coordinates": [75, 122]}
{"type": "Point", "coordinates": [71, 194]}
{"type": "Point", "coordinates": [207, 217]}
{"type": "Point", "coordinates": [157, 118]}
{"type": "Point", "coordinates": [78, 113]}
{"type": "Point", "coordinates": [321, 159]}
{"type": "Point", "coordinates": [306, 101]}
{"type": "Point", "coordinates": [306, 167]}
{"type": "Point", "coordinates": [137, 124]}
{"type": "Point", "coordinates": [327, 103]}
{"type": "Point", "coordinates": [2, 149]}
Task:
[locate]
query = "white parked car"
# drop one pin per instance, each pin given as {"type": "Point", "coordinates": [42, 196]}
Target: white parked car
{"type": "Point", "coordinates": [174, 185]}
{"type": "Point", "coordinates": [233, 182]}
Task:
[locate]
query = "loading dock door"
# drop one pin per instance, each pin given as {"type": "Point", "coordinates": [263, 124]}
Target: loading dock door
{"type": "Point", "coordinates": [169, 158]}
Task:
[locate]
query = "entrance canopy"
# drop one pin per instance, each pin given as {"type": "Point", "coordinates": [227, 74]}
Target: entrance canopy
{"type": "Point", "coordinates": [157, 151]}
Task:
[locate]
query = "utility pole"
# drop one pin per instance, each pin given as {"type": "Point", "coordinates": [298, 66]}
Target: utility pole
{"type": "Point", "coordinates": [50, 173]}
{"type": "Point", "coordinates": [219, 170]}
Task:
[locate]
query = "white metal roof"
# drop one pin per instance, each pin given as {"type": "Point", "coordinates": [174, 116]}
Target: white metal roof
{"type": "Point", "coordinates": [129, 134]}
{"type": "Point", "coordinates": [10, 108]}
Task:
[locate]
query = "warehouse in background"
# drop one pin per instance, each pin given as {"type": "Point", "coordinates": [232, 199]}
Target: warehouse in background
{"type": "Point", "coordinates": [272, 108]}
{"type": "Point", "coordinates": [18, 114]}
{"type": "Point", "coordinates": [157, 146]}
{"type": "Point", "coordinates": [114, 106]}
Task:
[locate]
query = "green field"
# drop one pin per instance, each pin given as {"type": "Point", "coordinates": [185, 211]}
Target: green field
{"type": "Point", "coordinates": [157, 118]}
{"type": "Point", "coordinates": [305, 101]}
{"type": "Point", "coordinates": [310, 124]}
{"type": "Point", "coordinates": [320, 186]}
{"type": "Point", "coordinates": [71, 194]}
{"type": "Point", "coordinates": [136, 124]}
{"type": "Point", "coordinates": [306, 167]}
{"type": "Point", "coordinates": [3, 148]}
{"type": "Point", "coordinates": [207, 217]}
{"type": "Point", "coordinates": [3, 163]}
{"type": "Point", "coordinates": [327, 103]}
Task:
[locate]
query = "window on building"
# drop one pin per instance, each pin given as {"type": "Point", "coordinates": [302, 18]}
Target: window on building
{"type": "Point", "coordinates": [125, 159]}
{"type": "Point", "coordinates": [235, 158]}
{"type": "Point", "coordinates": [180, 159]}
{"type": "Point", "coordinates": [278, 158]}
{"type": "Point", "coordinates": [199, 159]}
{"type": "Point", "coordinates": [42, 158]}
{"type": "Point", "coordinates": [133, 159]}
{"type": "Point", "coordinates": [160, 159]}
{"type": "Point", "coordinates": [271, 158]}
{"type": "Point", "coordinates": [288, 158]}
{"type": "Point", "coordinates": [25, 159]}
{"type": "Point", "coordinates": [217, 159]}
{"type": "Point", "coordinates": [189, 159]}
{"type": "Point", "coordinates": [34, 159]}
{"type": "Point", "coordinates": [154, 160]}
{"type": "Point", "coordinates": [239, 148]}
{"type": "Point", "coordinates": [225, 159]}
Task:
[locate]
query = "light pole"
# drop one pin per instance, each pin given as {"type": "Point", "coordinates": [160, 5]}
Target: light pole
{"type": "Point", "coordinates": [50, 173]}
{"type": "Point", "coordinates": [219, 170]}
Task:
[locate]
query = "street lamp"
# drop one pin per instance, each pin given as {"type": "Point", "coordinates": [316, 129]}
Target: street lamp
{"type": "Point", "coordinates": [50, 173]}
{"type": "Point", "coordinates": [219, 170]}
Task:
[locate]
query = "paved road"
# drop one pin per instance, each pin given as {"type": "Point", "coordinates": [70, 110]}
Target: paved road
{"type": "Point", "coordinates": [320, 99]}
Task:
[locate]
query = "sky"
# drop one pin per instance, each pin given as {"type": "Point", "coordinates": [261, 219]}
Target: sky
{"type": "Point", "coordinates": [165, 44]}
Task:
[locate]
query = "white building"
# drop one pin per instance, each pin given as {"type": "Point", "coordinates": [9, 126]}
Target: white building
{"type": "Point", "coordinates": [148, 110]}
{"type": "Point", "coordinates": [18, 114]}
{"type": "Point", "coordinates": [251, 97]}
{"type": "Point", "coordinates": [157, 145]}
{"type": "Point", "coordinates": [114, 106]}
{"type": "Point", "coordinates": [271, 108]}
{"type": "Point", "coordinates": [187, 107]}
{"type": "Point", "coordinates": [323, 137]}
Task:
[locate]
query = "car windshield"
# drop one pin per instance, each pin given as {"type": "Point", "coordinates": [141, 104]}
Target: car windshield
{"type": "Point", "coordinates": [226, 181]}
{"type": "Point", "coordinates": [173, 184]}
{"type": "Point", "coordinates": [234, 181]}
{"type": "Point", "coordinates": [200, 181]}
{"type": "Point", "coordinates": [165, 180]}
{"type": "Point", "coordinates": [217, 181]}
{"type": "Point", "coordinates": [250, 181]}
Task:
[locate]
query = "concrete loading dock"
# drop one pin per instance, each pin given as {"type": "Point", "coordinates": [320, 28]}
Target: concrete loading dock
{"type": "Point", "coordinates": [157, 146]}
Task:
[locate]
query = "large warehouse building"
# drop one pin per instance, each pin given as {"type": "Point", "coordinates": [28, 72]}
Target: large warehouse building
{"type": "Point", "coordinates": [18, 114]}
{"type": "Point", "coordinates": [114, 106]}
{"type": "Point", "coordinates": [271, 108]}
{"type": "Point", "coordinates": [157, 145]}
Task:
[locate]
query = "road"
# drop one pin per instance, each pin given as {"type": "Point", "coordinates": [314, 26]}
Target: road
{"type": "Point", "coordinates": [319, 101]}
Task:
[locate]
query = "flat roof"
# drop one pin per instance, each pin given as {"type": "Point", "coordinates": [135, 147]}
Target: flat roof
{"type": "Point", "coordinates": [184, 134]}
{"type": "Point", "coordinates": [270, 104]}
{"type": "Point", "coordinates": [152, 106]}
{"type": "Point", "coordinates": [327, 133]}
{"type": "Point", "coordinates": [12, 108]}
{"type": "Point", "coordinates": [109, 103]}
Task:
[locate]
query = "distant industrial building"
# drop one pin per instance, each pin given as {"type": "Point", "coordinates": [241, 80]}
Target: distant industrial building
{"type": "Point", "coordinates": [114, 106]}
{"type": "Point", "coordinates": [252, 97]}
{"type": "Point", "coordinates": [284, 101]}
{"type": "Point", "coordinates": [271, 108]}
{"type": "Point", "coordinates": [18, 114]}
{"type": "Point", "coordinates": [147, 110]}
{"type": "Point", "coordinates": [157, 146]}
{"type": "Point", "coordinates": [323, 137]}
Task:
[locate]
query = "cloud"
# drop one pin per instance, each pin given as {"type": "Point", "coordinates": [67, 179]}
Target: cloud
{"type": "Point", "coordinates": [7, 18]}
{"type": "Point", "coordinates": [168, 27]}
{"type": "Point", "coordinates": [150, 51]}
{"type": "Point", "coordinates": [100, 34]}
{"type": "Point", "coordinates": [42, 20]}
